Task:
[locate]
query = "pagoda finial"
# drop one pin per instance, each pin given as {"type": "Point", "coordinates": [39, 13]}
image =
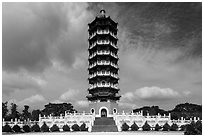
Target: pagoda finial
{"type": "Point", "coordinates": [102, 11]}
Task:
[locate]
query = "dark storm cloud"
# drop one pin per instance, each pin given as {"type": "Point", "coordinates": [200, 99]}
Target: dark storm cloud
{"type": "Point", "coordinates": [160, 25]}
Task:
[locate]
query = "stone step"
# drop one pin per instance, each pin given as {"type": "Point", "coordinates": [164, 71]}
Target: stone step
{"type": "Point", "coordinates": [104, 128]}
{"type": "Point", "coordinates": [104, 121]}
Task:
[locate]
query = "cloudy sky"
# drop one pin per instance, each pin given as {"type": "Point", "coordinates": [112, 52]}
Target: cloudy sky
{"type": "Point", "coordinates": [44, 53]}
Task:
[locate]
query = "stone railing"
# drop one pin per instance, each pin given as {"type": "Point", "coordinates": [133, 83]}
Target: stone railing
{"type": "Point", "coordinates": [140, 120]}
{"type": "Point", "coordinates": [103, 42]}
{"type": "Point", "coordinates": [103, 53]}
{"type": "Point", "coordinates": [103, 85]}
{"type": "Point", "coordinates": [101, 73]}
{"type": "Point", "coordinates": [60, 121]}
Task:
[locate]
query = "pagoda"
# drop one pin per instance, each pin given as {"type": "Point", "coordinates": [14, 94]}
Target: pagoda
{"type": "Point", "coordinates": [103, 66]}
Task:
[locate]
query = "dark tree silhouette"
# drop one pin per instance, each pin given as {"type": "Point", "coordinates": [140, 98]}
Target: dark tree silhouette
{"type": "Point", "coordinates": [4, 109]}
{"type": "Point", "coordinates": [26, 114]}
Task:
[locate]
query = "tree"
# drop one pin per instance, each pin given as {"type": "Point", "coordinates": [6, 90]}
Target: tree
{"type": "Point", "coordinates": [193, 128]}
{"type": "Point", "coordinates": [14, 113]}
{"type": "Point", "coordinates": [4, 109]}
{"type": "Point", "coordinates": [57, 109]}
{"type": "Point", "coordinates": [35, 115]}
{"type": "Point", "coordinates": [25, 113]}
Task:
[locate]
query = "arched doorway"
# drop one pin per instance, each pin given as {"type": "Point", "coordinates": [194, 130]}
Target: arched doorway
{"type": "Point", "coordinates": [103, 112]}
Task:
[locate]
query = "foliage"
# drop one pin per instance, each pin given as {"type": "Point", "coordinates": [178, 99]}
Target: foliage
{"type": "Point", "coordinates": [16, 128]}
{"type": "Point", "coordinates": [35, 128]}
{"type": "Point", "coordinates": [83, 127]}
{"type": "Point", "coordinates": [193, 128]}
{"type": "Point", "coordinates": [6, 128]}
{"type": "Point", "coordinates": [182, 127]}
{"type": "Point", "coordinates": [174, 127]}
{"type": "Point", "coordinates": [57, 109]}
{"type": "Point", "coordinates": [54, 128]}
{"type": "Point", "coordinates": [157, 127]}
{"type": "Point", "coordinates": [75, 127]}
{"type": "Point", "coordinates": [44, 128]}
{"type": "Point", "coordinates": [146, 127]}
{"type": "Point", "coordinates": [26, 128]}
{"type": "Point", "coordinates": [134, 127]}
{"type": "Point", "coordinates": [166, 127]}
{"type": "Point", "coordinates": [125, 127]}
{"type": "Point", "coordinates": [26, 114]}
{"type": "Point", "coordinates": [66, 128]}
{"type": "Point", "coordinates": [199, 126]}
{"type": "Point", "coordinates": [35, 115]}
{"type": "Point", "coordinates": [4, 109]}
{"type": "Point", "coordinates": [14, 113]}
{"type": "Point", "coordinates": [185, 110]}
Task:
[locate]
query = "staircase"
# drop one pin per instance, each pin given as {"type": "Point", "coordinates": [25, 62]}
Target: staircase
{"type": "Point", "coordinates": [104, 124]}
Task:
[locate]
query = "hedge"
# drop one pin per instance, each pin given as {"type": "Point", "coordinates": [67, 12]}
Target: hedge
{"type": "Point", "coordinates": [75, 127]}
{"type": "Point", "coordinates": [44, 128]}
{"type": "Point", "coordinates": [16, 128]}
{"type": "Point", "coordinates": [83, 127]}
{"type": "Point", "coordinates": [174, 127]}
{"type": "Point", "coordinates": [146, 127]}
{"type": "Point", "coordinates": [166, 127]}
{"type": "Point", "coordinates": [54, 128]}
{"type": "Point", "coordinates": [66, 128]}
{"type": "Point", "coordinates": [125, 127]}
{"type": "Point", "coordinates": [6, 128]}
{"type": "Point", "coordinates": [193, 128]}
{"type": "Point", "coordinates": [134, 127]}
{"type": "Point", "coordinates": [35, 128]}
{"type": "Point", "coordinates": [26, 128]}
{"type": "Point", "coordinates": [157, 127]}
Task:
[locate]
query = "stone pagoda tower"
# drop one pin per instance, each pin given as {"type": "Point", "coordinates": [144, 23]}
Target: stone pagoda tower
{"type": "Point", "coordinates": [103, 66]}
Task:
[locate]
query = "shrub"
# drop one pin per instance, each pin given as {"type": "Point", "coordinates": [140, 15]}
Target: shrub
{"type": "Point", "coordinates": [66, 128]}
{"type": "Point", "coordinates": [75, 127]}
{"type": "Point", "coordinates": [44, 128]}
{"type": "Point", "coordinates": [54, 128]}
{"type": "Point", "coordinates": [6, 128]}
{"type": "Point", "coordinates": [16, 128]}
{"type": "Point", "coordinates": [182, 127]}
{"type": "Point", "coordinates": [166, 127]}
{"type": "Point", "coordinates": [157, 127]}
{"type": "Point", "coordinates": [146, 127]}
{"type": "Point", "coordinates": [134, 127]}
{"type": "Point", "coordinates": [83, 127]}
{"type": "Point", "coordinates": [174, 127]}
{"type": "Point", "coordinates": [198, 126]}
{"type": "Point", "coordinates": [26, 128]}
{"type": "Point", "coordinates": [35, 128]}
{"type": "Point", "coordinates": [125, 127]}
{"type": "Point", "coordinates": [193, 129]}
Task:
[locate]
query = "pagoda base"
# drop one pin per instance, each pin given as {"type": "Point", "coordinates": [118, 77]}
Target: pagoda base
{"type": "Point", "coordinates": [103, 109]}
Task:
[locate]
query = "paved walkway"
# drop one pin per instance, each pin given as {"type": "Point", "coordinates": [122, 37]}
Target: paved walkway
{"type": "Point", "coordinates": [106, 133]}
